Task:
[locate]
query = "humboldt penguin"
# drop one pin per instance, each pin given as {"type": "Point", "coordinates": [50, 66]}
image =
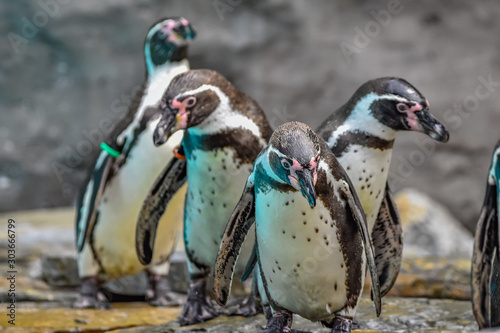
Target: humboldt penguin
{"type": "Point", "coordinates": [110, 200]}
{"type": "Point", "coordinates": [485, 282]}
{"type": "Point", "coordinates": [361, 134]}
{"type": "Point", "coordinates": [224, 130]}
{"type": "Point", "coordinates": [312, 239]}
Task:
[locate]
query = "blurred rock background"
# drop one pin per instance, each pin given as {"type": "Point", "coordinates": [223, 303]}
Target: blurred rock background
{"type": "Point", "coordinates": [67, 67]}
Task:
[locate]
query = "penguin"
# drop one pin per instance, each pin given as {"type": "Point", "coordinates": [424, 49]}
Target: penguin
{"type": "Point", "coordinates": [110, 200]}
{"type": "Point", "coordinates": [224, 131]}
{"type": "Point", "coordinates": [361, 135]}
{"type": "Point", "coordinates": [485, 282]}
{"type": "Point", "coordinates": [312, 238]}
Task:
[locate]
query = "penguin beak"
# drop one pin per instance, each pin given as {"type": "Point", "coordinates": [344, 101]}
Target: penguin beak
{"type": "Point", "coordinates": [429, 125]}
{"type": "Point", "coordinates": [306, 185]}
{"type": "Point", "coordinates": [164, 128]}
{"type": "Point", "coordinates": [185, 31]}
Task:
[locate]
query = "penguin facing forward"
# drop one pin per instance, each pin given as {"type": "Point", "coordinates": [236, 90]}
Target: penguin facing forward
{"type": "Point", "coordinates": [110, 201]}
{"type": "Point", "coordinates": [224, 131]}
{"type": "Point", "coordinates": [485, 282]}
{"type": "Point", "coordinates": [361, 134]}
{"type": "Point", "coordinates": [312, 240]}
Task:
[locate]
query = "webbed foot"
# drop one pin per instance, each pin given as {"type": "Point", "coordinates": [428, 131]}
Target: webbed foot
{"type": "Point", "coordinates": [341, 325]}
{"type": "Point", "coordinates": [280, 322]}
{"type": "Point", "coordinates": [197, 308]}
{"type": "Point", "coordinates": [159, 293]}
{"type": "Point", "coordinates": [90, 297]}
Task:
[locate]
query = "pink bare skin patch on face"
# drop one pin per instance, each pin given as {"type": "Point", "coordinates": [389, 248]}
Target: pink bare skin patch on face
{"type": "Point", "coordinates": [172, 36]}
{"type": "Point", "coordinates": [314, 166]}
{"type": "Point", "coordinates": [411, 117]}
{"type": "Point", "coordinates": [292, 177]}
{"type": "Point", "coordinates": [183, 115]}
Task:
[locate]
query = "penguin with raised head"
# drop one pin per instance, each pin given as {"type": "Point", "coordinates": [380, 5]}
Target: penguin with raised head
{"type": "Point", "coordinates": [361, 134]}
{"type": "Point", "coordinates": [312, 240]}
{"type": "Point", "coordinates": [109, 204]}
{"type": "Point", "coordinates": [485, 282]}
{"type": "Point", "coordinates": [224, 131]}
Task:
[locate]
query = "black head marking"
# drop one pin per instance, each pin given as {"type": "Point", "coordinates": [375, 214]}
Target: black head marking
{"type": "Point", "coordinates": [296, 140]}
{"type": "Point", "coordinates": [294, 157]}
{"type": "Point", "coordinates": [167, 41]}
{"type": "Point", "coordinates": [397, 104]}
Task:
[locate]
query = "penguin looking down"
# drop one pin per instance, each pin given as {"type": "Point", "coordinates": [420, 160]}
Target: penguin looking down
{"type": "Point", "coordinates": [110, 200]}
{"type": "Point", "coordinates": [224, 130]}
{"type": "Point", "coordinates": [361, 135]}
{"type": "Point", "coordinates": [485, 282]}
{"type": "Point", "coordinates": [312, 240]}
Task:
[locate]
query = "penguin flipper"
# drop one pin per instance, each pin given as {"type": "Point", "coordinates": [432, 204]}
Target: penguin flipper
{"type": "Point", "coordinates": [164, 188]}
{"type": "Point", "coordinates": [236, 230]}
{"type": "Point", "coordinates": [387, 237]}
{"type": "Point", "coordinates": [89, 200]}
{"type": "Point", "coordinates": [354, 206]}
{"type": "Point", "coordinates": [485, 282]}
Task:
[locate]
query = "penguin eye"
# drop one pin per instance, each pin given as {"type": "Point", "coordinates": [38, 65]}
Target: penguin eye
{"type": "Point", "coordinates": [285, 164]}
{"type": "Point", "coordinates": [190, 101]}
{"type": "Point", "coordinates": [402, 107]}
{"type": "Point", "coordinates": [161, 34]}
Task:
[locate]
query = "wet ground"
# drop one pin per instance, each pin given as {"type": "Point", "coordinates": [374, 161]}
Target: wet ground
{"type": "Point", "coordinates": [430, 295]}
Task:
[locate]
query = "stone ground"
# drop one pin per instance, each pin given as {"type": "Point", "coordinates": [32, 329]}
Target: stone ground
{"type": "Point", "coordinates": [431, 294]}
{"type": "Point", "coordinates": [80, 69]}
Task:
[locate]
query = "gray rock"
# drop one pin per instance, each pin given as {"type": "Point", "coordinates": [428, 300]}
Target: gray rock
{"type": "Point", "coordinates": [429, 229]}
{"type": "Point", "coordinates": [60, 271]}
{"type": "Point", "coordinates": [136, 285]}
{"type": "Point", "coordinates": [66, 78]}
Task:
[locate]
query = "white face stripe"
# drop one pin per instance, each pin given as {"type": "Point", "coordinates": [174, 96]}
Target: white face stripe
{"type": "Point", "coordinates": [264, 160]}
{"type": "Point", "coordinates": [231, 119]}
{"type": "Point", "coordinates": [361, 119]}
{"type": "Point", "coordinates": [157, 83]}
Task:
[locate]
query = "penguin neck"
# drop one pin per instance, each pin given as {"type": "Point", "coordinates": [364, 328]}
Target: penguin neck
{"type": "Point", "coordinates": [155, 85]}
{"type": "Point", "coordinates": [225, 118]}
{"type": "Point", "coordinates": [171, 56]}
{"type": "Point", "coordinates": [265, 164]}
{"type": "Point", "coordinates": [360, 125]}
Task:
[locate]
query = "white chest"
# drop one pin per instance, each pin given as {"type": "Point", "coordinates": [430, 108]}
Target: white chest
{"type": "Point", "coordinates": [215, 184]}
{"type": "Point", "coordinates": [368, 169]}
{"type": "Point", "coordinates": [300, 255]}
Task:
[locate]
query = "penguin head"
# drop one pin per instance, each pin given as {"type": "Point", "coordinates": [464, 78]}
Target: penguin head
{"type": "Point", "coordinates": [190, 99]}
{"type": "Point", "coordinates": [400, 106]}
{"type": "Point", "coordinates": [167, 41]}
{"type": "Point", "coordinates": [294, 155]}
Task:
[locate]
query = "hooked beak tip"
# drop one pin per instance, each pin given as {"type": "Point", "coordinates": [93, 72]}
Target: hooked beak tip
{"type": "Point", "coordinates": [159, 137]}
{"type": "Point", "coordinates": [429, 125]}
{"type": "Point", "coordinates": [439, 133]}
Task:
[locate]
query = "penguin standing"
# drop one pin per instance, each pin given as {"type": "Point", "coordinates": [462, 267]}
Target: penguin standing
{"type": "Point", "coordinates": [224, 130]}
{"type": "Point", "coordinates": [110, 201]}
{"type": "Point", "coordinates": [485, 282]}
{"type": "Point", "coordinates": [361, 135]}
{"type": "Point", "coordinates": [312, 239]}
